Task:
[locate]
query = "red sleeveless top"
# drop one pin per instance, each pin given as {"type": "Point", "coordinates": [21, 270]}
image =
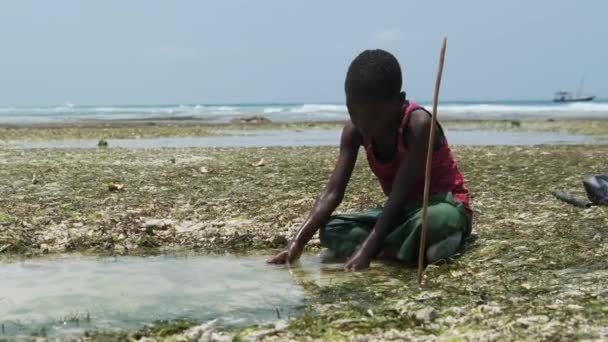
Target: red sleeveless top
{"type": "Point", "coordinates": [445, 176]}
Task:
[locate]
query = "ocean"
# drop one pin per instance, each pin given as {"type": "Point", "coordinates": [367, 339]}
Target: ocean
{"type": "Point", "coordinates": [293, 112]}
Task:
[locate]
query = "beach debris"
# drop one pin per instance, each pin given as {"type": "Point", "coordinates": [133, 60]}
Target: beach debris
{"type": "Point", "coordinates": [259, 163]}
{"type": "Point", "coordinates": [115, 186]}
{"type": "Point", "coordinates": [515, 123]}
{"type": "Point", "coordinates": [425, 315]}
{"type": "Point", "coordinates": [35, 179]}
{"type": "Point", "coordinates": [102, 143]}
{"type": "Point", "coordinates": [4, 247]}
{"type": "Point", "coordinates": [254, 119]}
{"type": "Point", "coordinates": [172, 160]}
{"type": "Point", "coordinates": [597, 189]}
{"type": "Point", "coordinates": [597, 192]}
{"type": "Point", "coordinates": [204, 169]}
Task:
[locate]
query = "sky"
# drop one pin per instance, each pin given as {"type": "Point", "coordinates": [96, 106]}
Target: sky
{"type": "Point", "coordinates": [239, 51]}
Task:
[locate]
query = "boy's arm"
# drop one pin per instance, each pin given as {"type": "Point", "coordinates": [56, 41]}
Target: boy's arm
{"type": "Point", "coordinates": [330, 197]}
{"type": "Point", "coordinates": [410, 174]}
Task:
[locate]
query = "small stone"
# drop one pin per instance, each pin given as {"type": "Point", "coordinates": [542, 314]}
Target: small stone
{"type": "Point", "coordinates": [146, 339]}
{"type": "Point", "coordinates": [490, 308]}
{"type": "Point", "coordinates": [426, 315]}
{"type": "Point", "coordinates": [204, 169]}
{"type": "Point", "coordinates": [44, 248]}
{"type": "Point", "coordinates": [259, 335]}
{"type": "Point", "coordinates": [359, 339]}
{"type": "Point", "coordinates": [280, 325]}
{"type": "Point", "coordinates": [152, 225]}
{"type": "Point", "coordinates": [531, 320]}
{"type": "Point", "coordinates": [597, 237]}
{"type": "Point", "coordinates": [574, 307]}
{"type": "Point", "coordinates": [200, 332]}
{"type": "Point", "coordinates": [218, 337]}
{"type": "Point", "coordinates": [102, 143]}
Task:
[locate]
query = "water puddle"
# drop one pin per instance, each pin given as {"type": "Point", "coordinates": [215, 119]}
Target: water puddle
{"type": "Point", "coordinates": [69, 295]}
{"type": "Point", "coordinates": [327, 137]}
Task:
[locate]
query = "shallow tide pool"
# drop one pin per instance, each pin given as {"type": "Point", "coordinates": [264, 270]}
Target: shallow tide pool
{"type": "Point", "coordinates": [312, 137]}
{"type": "Point", "coordinates": [69, 295]}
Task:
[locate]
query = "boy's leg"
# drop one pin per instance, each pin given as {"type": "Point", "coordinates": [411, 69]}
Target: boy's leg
{"type": "Point", "coordinates": [446, 224]}
{"type": "Point", "coordinates": [344, 233]}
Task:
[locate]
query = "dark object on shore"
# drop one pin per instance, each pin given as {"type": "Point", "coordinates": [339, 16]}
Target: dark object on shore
{"type": "Point", "coordinates": [255, 119]}
{"type": "Point", "coordinates": [115, 186]}
{"type": "Point", "coordinates": [102, 143]}
{"type": "Point", "coordinates": [515, 123]}
{"type": "Point", "coordinates": [597, 189]}
{"type": "Point", "coordinates": [566, 197]}
{"type": "Point", "coordinates": [597, 192]}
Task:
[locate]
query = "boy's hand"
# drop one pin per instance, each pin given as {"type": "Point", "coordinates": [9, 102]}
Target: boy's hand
{"type": "Point", "coordinates": [292, 253]}
{"type": "Point", "coordinates": [358, 261]}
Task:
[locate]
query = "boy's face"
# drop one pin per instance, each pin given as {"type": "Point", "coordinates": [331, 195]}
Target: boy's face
{"type": "Point", "coordinates": [373, 119]}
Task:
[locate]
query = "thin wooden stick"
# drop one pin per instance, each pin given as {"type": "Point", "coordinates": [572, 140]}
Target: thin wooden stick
{"type": "Point", "coordinates": [427, 173]}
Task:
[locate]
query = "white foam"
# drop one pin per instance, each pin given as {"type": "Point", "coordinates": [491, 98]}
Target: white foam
{"type": "Point", "coordinates": [319, 108]}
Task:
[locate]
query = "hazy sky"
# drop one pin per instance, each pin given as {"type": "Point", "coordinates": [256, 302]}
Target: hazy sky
{"type": "Point", "coordinates": [157, 52]}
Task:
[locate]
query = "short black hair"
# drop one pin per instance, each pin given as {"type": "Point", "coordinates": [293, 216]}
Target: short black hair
{"type": "Point", "coordinates": [373, 76]}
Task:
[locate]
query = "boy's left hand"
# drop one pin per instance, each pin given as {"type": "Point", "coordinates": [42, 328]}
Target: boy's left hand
{"type": "Point", "coordinates": [358, 261]}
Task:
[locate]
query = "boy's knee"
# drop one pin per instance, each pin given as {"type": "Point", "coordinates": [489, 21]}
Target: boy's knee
{"type": "Point", "coordinates": [445, 219]}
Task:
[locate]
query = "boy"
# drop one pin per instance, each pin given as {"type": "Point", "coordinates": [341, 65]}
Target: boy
{"type": "Point", "coordinates": [395, 135]}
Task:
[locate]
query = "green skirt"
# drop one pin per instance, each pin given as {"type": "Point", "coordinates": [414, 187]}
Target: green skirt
{"type": "Point", "coordinates": [344, 233]}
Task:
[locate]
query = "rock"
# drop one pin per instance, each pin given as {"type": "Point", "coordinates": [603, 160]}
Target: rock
{"type": "Point", "coordinates": [359, 339]}
{"type": "Point", "coordinates": [425, 315]}
{"type": "Point", "coordinates": [189, 226]}
{"type": "Point", "coordinates": [280, 325]}
{"type": "Point", "coordinates": [155, 224]}
{"type": "Point", "coordinates": [201, 332]}
{"type": "Point", "coordinates": [279, 241]}
{"type": "Point", "coordinates": [218, 337]}
{"type": "Point", "coordinates": [44, 248]}
{"type": "Point", "coordinates": [254, 119]}
{"type": "Point", "coordinates": [532, 320]}
{"type": "Point", "coordinates": [259, 335]}
{"type": "Point", "coordinates": [146, 339]}
{"type": "Point", "coordinates": [574, 307]}
{"type": "Point", "coordinates": [102, 143]}
{"type": "Point", "coordinates": [490, 308]}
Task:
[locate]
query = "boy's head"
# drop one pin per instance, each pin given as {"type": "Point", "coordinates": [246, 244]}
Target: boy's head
{"type": "Point", "coordinates": [373, 90]}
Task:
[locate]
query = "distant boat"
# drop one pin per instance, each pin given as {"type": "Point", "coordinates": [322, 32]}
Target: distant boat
{"type": "Point", "coordinates": [564, 96]}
